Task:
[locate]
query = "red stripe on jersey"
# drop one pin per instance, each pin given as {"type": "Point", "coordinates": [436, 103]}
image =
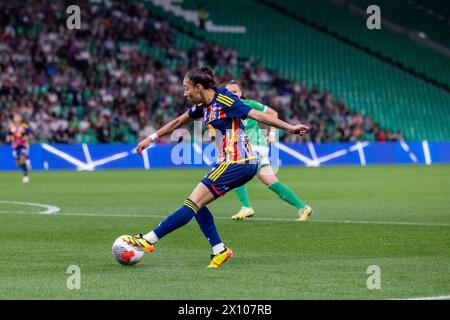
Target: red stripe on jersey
{"type": "Point", "coordinates": [235, 138]}
{"type": "Point", "coordinates": [221, 114]}
{"type": "Point", "coordinates": [225, 143]}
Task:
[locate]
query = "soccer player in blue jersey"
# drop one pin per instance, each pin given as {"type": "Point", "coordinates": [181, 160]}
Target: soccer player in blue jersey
{"type": "Point", "coordinates": [223, 111]}
{"type": "Point", "coordinates": [19, 136]}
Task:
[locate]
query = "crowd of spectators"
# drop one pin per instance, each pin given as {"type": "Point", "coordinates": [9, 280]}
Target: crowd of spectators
{"type": "Point", "coordinates": [104, 84]}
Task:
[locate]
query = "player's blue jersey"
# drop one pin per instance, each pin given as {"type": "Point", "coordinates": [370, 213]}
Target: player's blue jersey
{"type": "Point", "coordinates": [20, 135]}
{"type": "Point", "coordinates": [224, 113]}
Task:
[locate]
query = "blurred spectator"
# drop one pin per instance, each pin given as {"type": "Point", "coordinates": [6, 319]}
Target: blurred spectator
{"type": "Point", "coordinates": [119, 78]}
{"type": "Point", "coordinates": [202, 16]}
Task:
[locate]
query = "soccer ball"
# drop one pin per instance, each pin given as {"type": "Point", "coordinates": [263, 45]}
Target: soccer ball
{"type": "Point", "coordinates": [125, 254]}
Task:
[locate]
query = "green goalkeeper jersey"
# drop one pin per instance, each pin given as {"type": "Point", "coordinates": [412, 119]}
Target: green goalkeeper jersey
{"type": "Point", "coordinates": [254, 134]}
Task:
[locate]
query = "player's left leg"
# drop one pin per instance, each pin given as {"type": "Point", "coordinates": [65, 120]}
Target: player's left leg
{"type": "Point", "coordinates": [206, 223]}
{"type": "Point", "coordinates": [22, 163]}
{"type": "Point", "coordinates": [268, 177]}
{"type": "Point", "coordinates": [209, 189]}
{"type": "Point", "coordinates": [226, 177]}
{"type": "Point", "coordinates": [198, 198]}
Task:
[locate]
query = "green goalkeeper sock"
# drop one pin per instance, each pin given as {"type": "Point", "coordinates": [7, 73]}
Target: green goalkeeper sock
{"type": "Point", "coordinates": [286, 194]}
{"type": "Point", "coordinates": [243, 196]}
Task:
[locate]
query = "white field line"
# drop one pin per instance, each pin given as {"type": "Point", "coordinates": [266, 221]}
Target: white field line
{"type": "Point", "coordinates": [53, 209]}
{"type": "Point", "coordinates": [362, 156]}
{"type": "Point", "coordinates": [426, 152]}
{"type": "Point", "coordinates": [49, 209]}
{"type": "Point", "coordinates": [88, 157]}
{"type": "Point", "coordinates": [109, 159]}
{"type": "Point", "coordinates": [296, 154]}
{"type": "Point", "coordinates": [80, 165]}
{"type": "Point", "coordinates": [313, 153]}
{"type": "Point", "coordinates": [146, 159]}
{"type": "Point", "coordinates": [406, 148]}
{"type": "Point", "coordinates": [145, 156]}
{"type": "Point", "coordinates": [92, 214]}
{"type": "Point", "coordinates": [429, 298]}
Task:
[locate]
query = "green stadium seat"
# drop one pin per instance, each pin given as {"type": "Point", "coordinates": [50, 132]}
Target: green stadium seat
{"type": "Point", "coordinates": [393, 98]}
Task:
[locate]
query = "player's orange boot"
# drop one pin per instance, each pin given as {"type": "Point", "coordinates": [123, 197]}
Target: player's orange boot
{"type": "Point", "coordinates": [139, 242]}
{"type": "Point", "coordinates": [219, 259]}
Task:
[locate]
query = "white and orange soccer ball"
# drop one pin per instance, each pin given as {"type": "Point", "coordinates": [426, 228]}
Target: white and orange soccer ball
{"type": "Point", "coordinates": [124, 253]}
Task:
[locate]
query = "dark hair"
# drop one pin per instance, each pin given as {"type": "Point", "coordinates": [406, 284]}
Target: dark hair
{"type": "Point", "coordinates": [203, 76]}
{"type": "Point", "coordinates": [239, 84]}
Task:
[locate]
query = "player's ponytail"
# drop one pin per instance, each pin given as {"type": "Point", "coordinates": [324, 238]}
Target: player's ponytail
{"type": "Point", "coordinates": [204, 76]}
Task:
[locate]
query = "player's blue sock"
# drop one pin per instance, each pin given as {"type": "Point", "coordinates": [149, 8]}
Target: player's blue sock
{"type": "Point", "coordinates": [25, 169]}
{"type": "Point", "coordinates": [177, 219]}
{"type": "Point", "coordinates": [206, 222]}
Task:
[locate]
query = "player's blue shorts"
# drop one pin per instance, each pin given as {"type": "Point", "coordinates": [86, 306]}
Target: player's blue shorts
{"type": "Point", "coordinates": [227, 176]}
{"type": "Point", "coordinates": [20, 151]}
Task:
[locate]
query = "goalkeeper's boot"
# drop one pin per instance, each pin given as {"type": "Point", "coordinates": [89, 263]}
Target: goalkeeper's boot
{"type": "Point", "coordinates": [304, 213]}
{"type": "Point", "coordinates": [139, 242]}
{"type": "Point", "coordinates": [219, 259]}
{"type": "Point", "coordinates": [244, 213]}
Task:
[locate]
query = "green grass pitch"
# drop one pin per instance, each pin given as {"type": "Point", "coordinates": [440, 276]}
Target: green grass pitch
{"type": "Point", "coordinates": [394, 217]}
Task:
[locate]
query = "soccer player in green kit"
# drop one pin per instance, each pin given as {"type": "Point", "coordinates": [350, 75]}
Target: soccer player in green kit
{"type": "Point", "coordinates": [265, 172]}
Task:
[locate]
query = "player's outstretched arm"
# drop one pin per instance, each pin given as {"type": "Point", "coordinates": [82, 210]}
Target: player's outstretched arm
{"type": "Point", "coordinates": [166, 129]}
{"type": "Point", "coordinates": [273, 131]}
{"type": "Point", "coordinates": [268, 119]}
{"type": "Point", "coordinates": [271, 111]}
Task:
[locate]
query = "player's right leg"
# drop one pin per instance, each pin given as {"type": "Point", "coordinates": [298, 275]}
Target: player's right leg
{"type": "Point", "coordinates": [21, 161]}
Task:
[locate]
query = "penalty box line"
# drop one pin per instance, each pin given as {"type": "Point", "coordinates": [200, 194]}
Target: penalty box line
{"type": "Point", "coordinates": [260, 219]}
{"type": "Point", "coordinates": [81, 214]}
{"type": "Point", "coordinates": [428, 298]}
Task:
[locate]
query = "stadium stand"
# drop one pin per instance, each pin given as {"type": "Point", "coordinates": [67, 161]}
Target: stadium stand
{"type": "Point", "coordinates": [117, 82]}
{"type": "Point", "coordinates": [99, 85]}
{"type": "Point", "coordinates": [396, 47]}
{"type": "Point", "coordinates": [394, 98]}
{"type": "Point", "coordinates": [425, 16]}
